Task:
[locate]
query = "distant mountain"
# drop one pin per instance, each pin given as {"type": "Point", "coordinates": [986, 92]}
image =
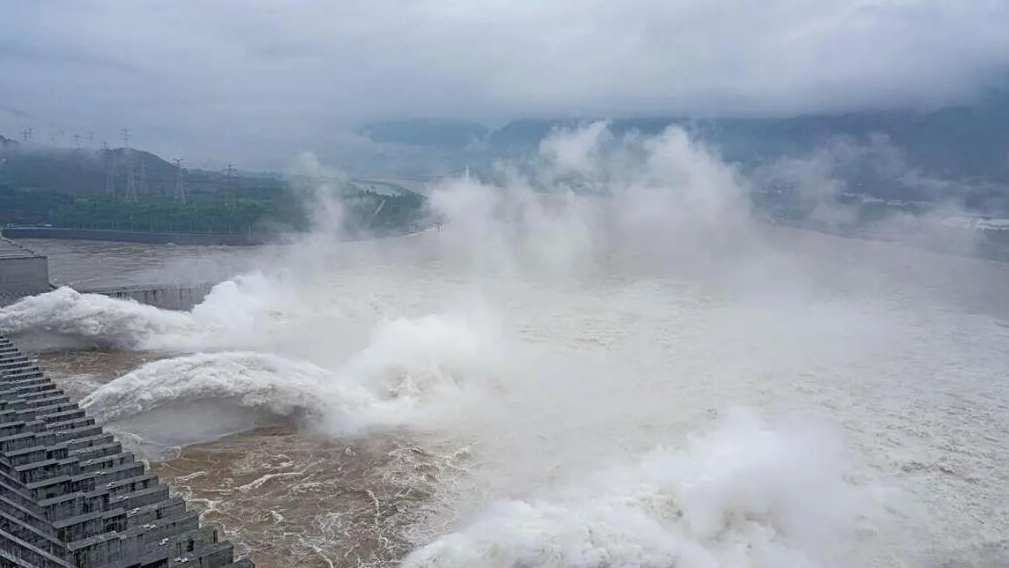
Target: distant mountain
{"type": "Point", "coordinates": [959, 153]}
{"type": "Point", "coordinates": [443, 134]}
{"type": "Point", "coordinates": [82, 170]}
{"type": "Point", "coordinates": [67, 188]}
{"type": "Point", "coordinates": [970, 143]}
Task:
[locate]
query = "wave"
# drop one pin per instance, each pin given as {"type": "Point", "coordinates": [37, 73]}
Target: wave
{"type": "Point", "coordinates": [746, 496]}
{"type": "Point", "coordinates": [233, 315]}
{"type": "Point", "coordinates": [410, 368]}
{"type": "Point", "coordinates": [215, 393]}
{"type": "Point", "coordinates": [120, 323]}
{"type": "Point", "coordinates": [283, 386]}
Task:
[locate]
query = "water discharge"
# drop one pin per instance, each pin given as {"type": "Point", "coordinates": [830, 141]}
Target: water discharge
{"type": "Point", "coordinates": [600, 360]}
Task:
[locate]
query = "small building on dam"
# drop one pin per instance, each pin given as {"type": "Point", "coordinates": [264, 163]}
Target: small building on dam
{"type": "Point", "coordinates": [22, 272]}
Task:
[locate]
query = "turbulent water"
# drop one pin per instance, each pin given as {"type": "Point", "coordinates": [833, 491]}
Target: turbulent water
{"type": "Point", "coordinates": [551, 387]}
{"type": "Point", "coordinates": [636, 419]}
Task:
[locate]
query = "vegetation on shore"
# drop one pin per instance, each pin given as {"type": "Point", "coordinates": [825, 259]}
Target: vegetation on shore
{"type": "Point", "coordinates": [69, 189]}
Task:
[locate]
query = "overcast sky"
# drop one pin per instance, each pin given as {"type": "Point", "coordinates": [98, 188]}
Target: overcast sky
{"type": "Point", "coordinates": [247, 78]}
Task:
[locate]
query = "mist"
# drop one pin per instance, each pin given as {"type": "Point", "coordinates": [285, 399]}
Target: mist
{"type": "Point", "coordinates": [626, 364]}
{"type": "Point", "coordinates": [581, 283]}
{"type": "Point", "coordinates": [213, 84]}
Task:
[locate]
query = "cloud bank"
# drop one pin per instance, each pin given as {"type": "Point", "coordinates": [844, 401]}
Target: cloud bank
{"type": "Point", "coordinates": [232, 75]}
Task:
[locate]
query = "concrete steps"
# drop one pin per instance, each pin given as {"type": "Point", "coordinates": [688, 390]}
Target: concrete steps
{"type": "Point", "coordinates": [71, 497]}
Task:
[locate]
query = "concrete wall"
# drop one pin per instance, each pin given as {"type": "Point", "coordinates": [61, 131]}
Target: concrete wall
{"type": "Point", "coordinates": [164, 297]}
{"type": "Point", "coordinates": [24, 275]}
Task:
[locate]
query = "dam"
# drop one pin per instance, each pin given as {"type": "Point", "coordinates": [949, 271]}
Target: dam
{"type": "Point", "coordinates": [167, 297]}
{"type": "Point", "coordinates": [23, 272]}
{"type": "Point", "coordinates": [70, 496]}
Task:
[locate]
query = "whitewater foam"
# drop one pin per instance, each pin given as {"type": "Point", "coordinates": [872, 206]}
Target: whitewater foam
{"type": "Point", "coordinates": [120, 323]}
{"type": "Point", "coordinates": [280, 385]}
{"type": "Point", "coordinates": [234, 314]}
{"type": "Point", "coordinates": [519, 333]}
{"type": "Point", "coordinates": [411, 367]}
{"type": "Point", "coordinates": [747, 495]}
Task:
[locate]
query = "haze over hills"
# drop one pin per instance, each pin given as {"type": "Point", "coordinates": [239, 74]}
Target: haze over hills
{"type": "Point", "coordinates": [952, 161]}
{"type": "Point", "coordinates": [80, 187]}
{"type": "Point", "coordinates": [955, 153]}
{"type": "Point", "coordinates": [523, 284]}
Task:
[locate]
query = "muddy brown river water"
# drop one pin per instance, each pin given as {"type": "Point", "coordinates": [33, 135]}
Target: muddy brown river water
{"type": "Point", "coordinates": [366, 405]}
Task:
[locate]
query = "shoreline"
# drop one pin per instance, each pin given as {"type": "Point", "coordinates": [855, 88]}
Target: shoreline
{"type": "Point", "coordinates": [980, 251]}
{"type": "Point", "coordinates": [117, 235]}
{"type": "Point", "coordinates": [164, 238]}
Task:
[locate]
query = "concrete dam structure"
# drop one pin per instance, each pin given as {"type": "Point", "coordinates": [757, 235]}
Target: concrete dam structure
{"type": "Point", "coordinates": [164, 297]}
{"type": "Point", "coordinates": [22, 272]}
{"type": "Point", "coordinates": [71, 497]}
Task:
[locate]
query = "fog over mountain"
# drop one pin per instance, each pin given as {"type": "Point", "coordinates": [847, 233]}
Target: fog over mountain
{"type": "Point", "coordinates": [257, 81]}
{"type": "Point", "coordinates": [562, 284]}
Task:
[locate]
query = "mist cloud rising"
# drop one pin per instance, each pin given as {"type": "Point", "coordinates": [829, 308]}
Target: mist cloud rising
{"type": "Point", "coordinates": [577, 332]}
{"type": "Point", "coordinates": [588, 192]}
{"type": "Point", "coordinates": [239, 77]}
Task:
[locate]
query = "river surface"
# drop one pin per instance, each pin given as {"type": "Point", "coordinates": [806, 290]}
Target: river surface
{"type": "Point", "coordinates": [101, 264]}
{"type": "Point", "coordinates": [834, 403]}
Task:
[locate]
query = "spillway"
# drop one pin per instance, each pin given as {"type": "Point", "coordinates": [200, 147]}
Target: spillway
{"type": "Point", "coordinates": [70, 496]}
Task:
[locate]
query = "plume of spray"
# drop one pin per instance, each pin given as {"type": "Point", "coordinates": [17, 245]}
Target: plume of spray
{"type": "Point", "coordinates": [422, 333]}
{"type": "Point", "coordinates": [746, 495]}
{"type": "Point", "coordinates": [832, 187]}
{"type": "Point", "coordinates": [588, 194]}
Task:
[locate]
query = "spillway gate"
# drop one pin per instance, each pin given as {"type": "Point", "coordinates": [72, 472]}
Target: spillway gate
{"type": "Point", "coordinates": [70, 497]}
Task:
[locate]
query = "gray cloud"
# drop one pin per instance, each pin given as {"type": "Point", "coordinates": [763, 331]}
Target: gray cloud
{"type": "Point", "coordinates": [237, 79]}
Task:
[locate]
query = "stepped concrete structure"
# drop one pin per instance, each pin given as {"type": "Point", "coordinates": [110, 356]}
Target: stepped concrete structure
{"type": "Point", "coordinates": [71, 497]}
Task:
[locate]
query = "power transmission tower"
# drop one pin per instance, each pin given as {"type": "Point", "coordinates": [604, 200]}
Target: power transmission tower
{"type": "Point", "coordinates": [131, 178]}
{"type": "Point", "coordinates": [131, 186]}
{"type": "Point", "coordinates": [143, 176]}
{"type": "Point", "coordinates": [230, 191]}
{"type": "Point", "coordinates": [131, 182]}
{"type": "Point", "coordinates": [77, 141]}
{"type": "Point", "coordinates": [180, 184]}
{"type": "Point", "coordinates": [110, 169]}
{"type": "Point", "coordinates": [26, 134]}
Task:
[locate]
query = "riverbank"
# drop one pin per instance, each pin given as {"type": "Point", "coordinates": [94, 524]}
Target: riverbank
{"type": "Point", "coordinates": [231, 239]}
